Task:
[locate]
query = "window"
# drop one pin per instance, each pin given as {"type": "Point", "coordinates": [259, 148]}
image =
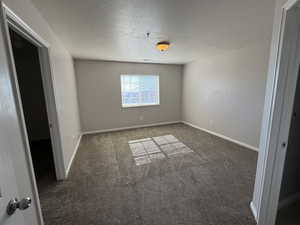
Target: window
{"type": "Point", "coordinates": [139, 90]}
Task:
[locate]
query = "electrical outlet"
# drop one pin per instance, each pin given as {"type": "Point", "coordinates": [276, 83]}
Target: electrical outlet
{"type": "Point", "coordinates": [141, 118]}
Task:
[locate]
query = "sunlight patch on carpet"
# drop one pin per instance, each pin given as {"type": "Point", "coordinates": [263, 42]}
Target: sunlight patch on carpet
{"type": "Point", "coordinates": [147, 150]}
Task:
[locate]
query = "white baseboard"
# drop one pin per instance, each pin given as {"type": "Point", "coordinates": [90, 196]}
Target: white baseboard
{"type": "Point", "coordinates": [129, 128]}
{"type": "Point", "coordinates": [253, 210]}
{"type": "Point", "coordinates": [289, 200]}
{"type": "Point", "coordinates": [73, 155]}
{"type": "Point", "coordinates": [222, 136]}
{"type": "Point", "coordinates": [172, 122]}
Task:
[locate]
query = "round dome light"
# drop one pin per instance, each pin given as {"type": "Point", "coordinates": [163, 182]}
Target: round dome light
{"type": "Point", "coordinates": [163, 46]}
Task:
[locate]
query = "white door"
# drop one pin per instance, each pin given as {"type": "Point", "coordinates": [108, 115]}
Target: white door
{"type": "Point", "coordinates": [8, 187]}
{"type": "Point", "coordinates": [10, 141]}
{"type": "Point", "coordinates": [8, 122]}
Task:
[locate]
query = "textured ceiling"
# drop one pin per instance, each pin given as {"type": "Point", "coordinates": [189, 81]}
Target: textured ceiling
{"type": "Point", "coordinates": [116, 29]}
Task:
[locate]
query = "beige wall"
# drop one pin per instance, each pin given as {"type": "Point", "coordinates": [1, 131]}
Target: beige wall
{"type": "Point", "coordinates": [66, 96]}
{"type": "Point", "coordinates": [225, 94]}
{"type": "Point", "coordinates": [99, 94]}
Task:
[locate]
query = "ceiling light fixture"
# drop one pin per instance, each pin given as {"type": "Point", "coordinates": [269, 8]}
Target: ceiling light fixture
{"type": "Point", "coordinates": [163, 46]}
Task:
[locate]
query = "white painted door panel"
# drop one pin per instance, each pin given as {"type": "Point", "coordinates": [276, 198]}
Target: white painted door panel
{"type": "Point", "coordinates": [8, 129]}
{"type": "Point", "coordinates": [8, 188]}
{"type": "Point", "coordinates": [16, 171]}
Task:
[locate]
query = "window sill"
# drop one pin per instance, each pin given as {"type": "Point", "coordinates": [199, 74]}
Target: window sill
{"type": "Point", "coordinates": [137, 106]}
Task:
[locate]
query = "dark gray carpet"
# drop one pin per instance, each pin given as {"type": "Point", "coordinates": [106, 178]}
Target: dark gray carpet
{"type": "Point", "coordinates": [212, 186]}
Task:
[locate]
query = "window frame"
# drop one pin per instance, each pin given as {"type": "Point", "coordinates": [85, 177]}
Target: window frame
{"type": "Point", "coordinates": [141, 104]}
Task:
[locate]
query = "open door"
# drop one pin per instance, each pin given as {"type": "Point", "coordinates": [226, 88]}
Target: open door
{"type": "Point", "coordinates": [8, 129]}
{"type": "Point", "coordinates": [278, 115]}
{"type": "Point", "coordinates": [19, 203]}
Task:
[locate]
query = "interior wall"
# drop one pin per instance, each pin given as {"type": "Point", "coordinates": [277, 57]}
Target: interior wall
{"type": "Point", "coordinates": [64, 84]}
{"type": "Point", "coordinates": [99, 93]}
{"type": "Point", "coordinates": [225, 94]}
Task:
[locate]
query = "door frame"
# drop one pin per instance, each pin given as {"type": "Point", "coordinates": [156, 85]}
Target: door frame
{"type": "Point", "coordinates": [17, 24]}
{"type": "Point", "coordinates": [279, 101]}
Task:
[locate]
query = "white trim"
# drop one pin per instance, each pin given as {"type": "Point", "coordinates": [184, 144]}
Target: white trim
{"type": "Point", "coordinates": [222, 136]}
{"type": "Point", "coordinates": [73, 156]}
{"type": "Point", "coordinates": [9, 17]}
{"type": "Point", "coordinates": [139, 105]}
{"type": "Point", "coordinates": [52, 111]}
{"type": "Point", "coordinates": [17, 24]}
{"type": "Point", "coordinates": [253, 210]}
{"type": "Point", "coordinates": [130, 127]}
{"type": "Point", "coordinates": [289, 200]}
{"type": "Point", "coordinates": [281, 85]}
{"type": "Point", "coordinates": [290, 4]}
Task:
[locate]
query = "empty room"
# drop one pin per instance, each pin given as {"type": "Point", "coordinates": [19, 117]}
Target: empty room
{"type": "Point", "coordinates": [153, 112]}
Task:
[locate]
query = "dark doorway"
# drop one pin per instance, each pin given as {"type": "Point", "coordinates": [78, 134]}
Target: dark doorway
{"type": "Point", "coordinates": [27, 64]}
{"type": "Point", "coordinates": [289, 201]}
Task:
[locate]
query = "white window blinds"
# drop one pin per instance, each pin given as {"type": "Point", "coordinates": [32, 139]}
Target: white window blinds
{"type": "Point", "coordinates": [139, 90]}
